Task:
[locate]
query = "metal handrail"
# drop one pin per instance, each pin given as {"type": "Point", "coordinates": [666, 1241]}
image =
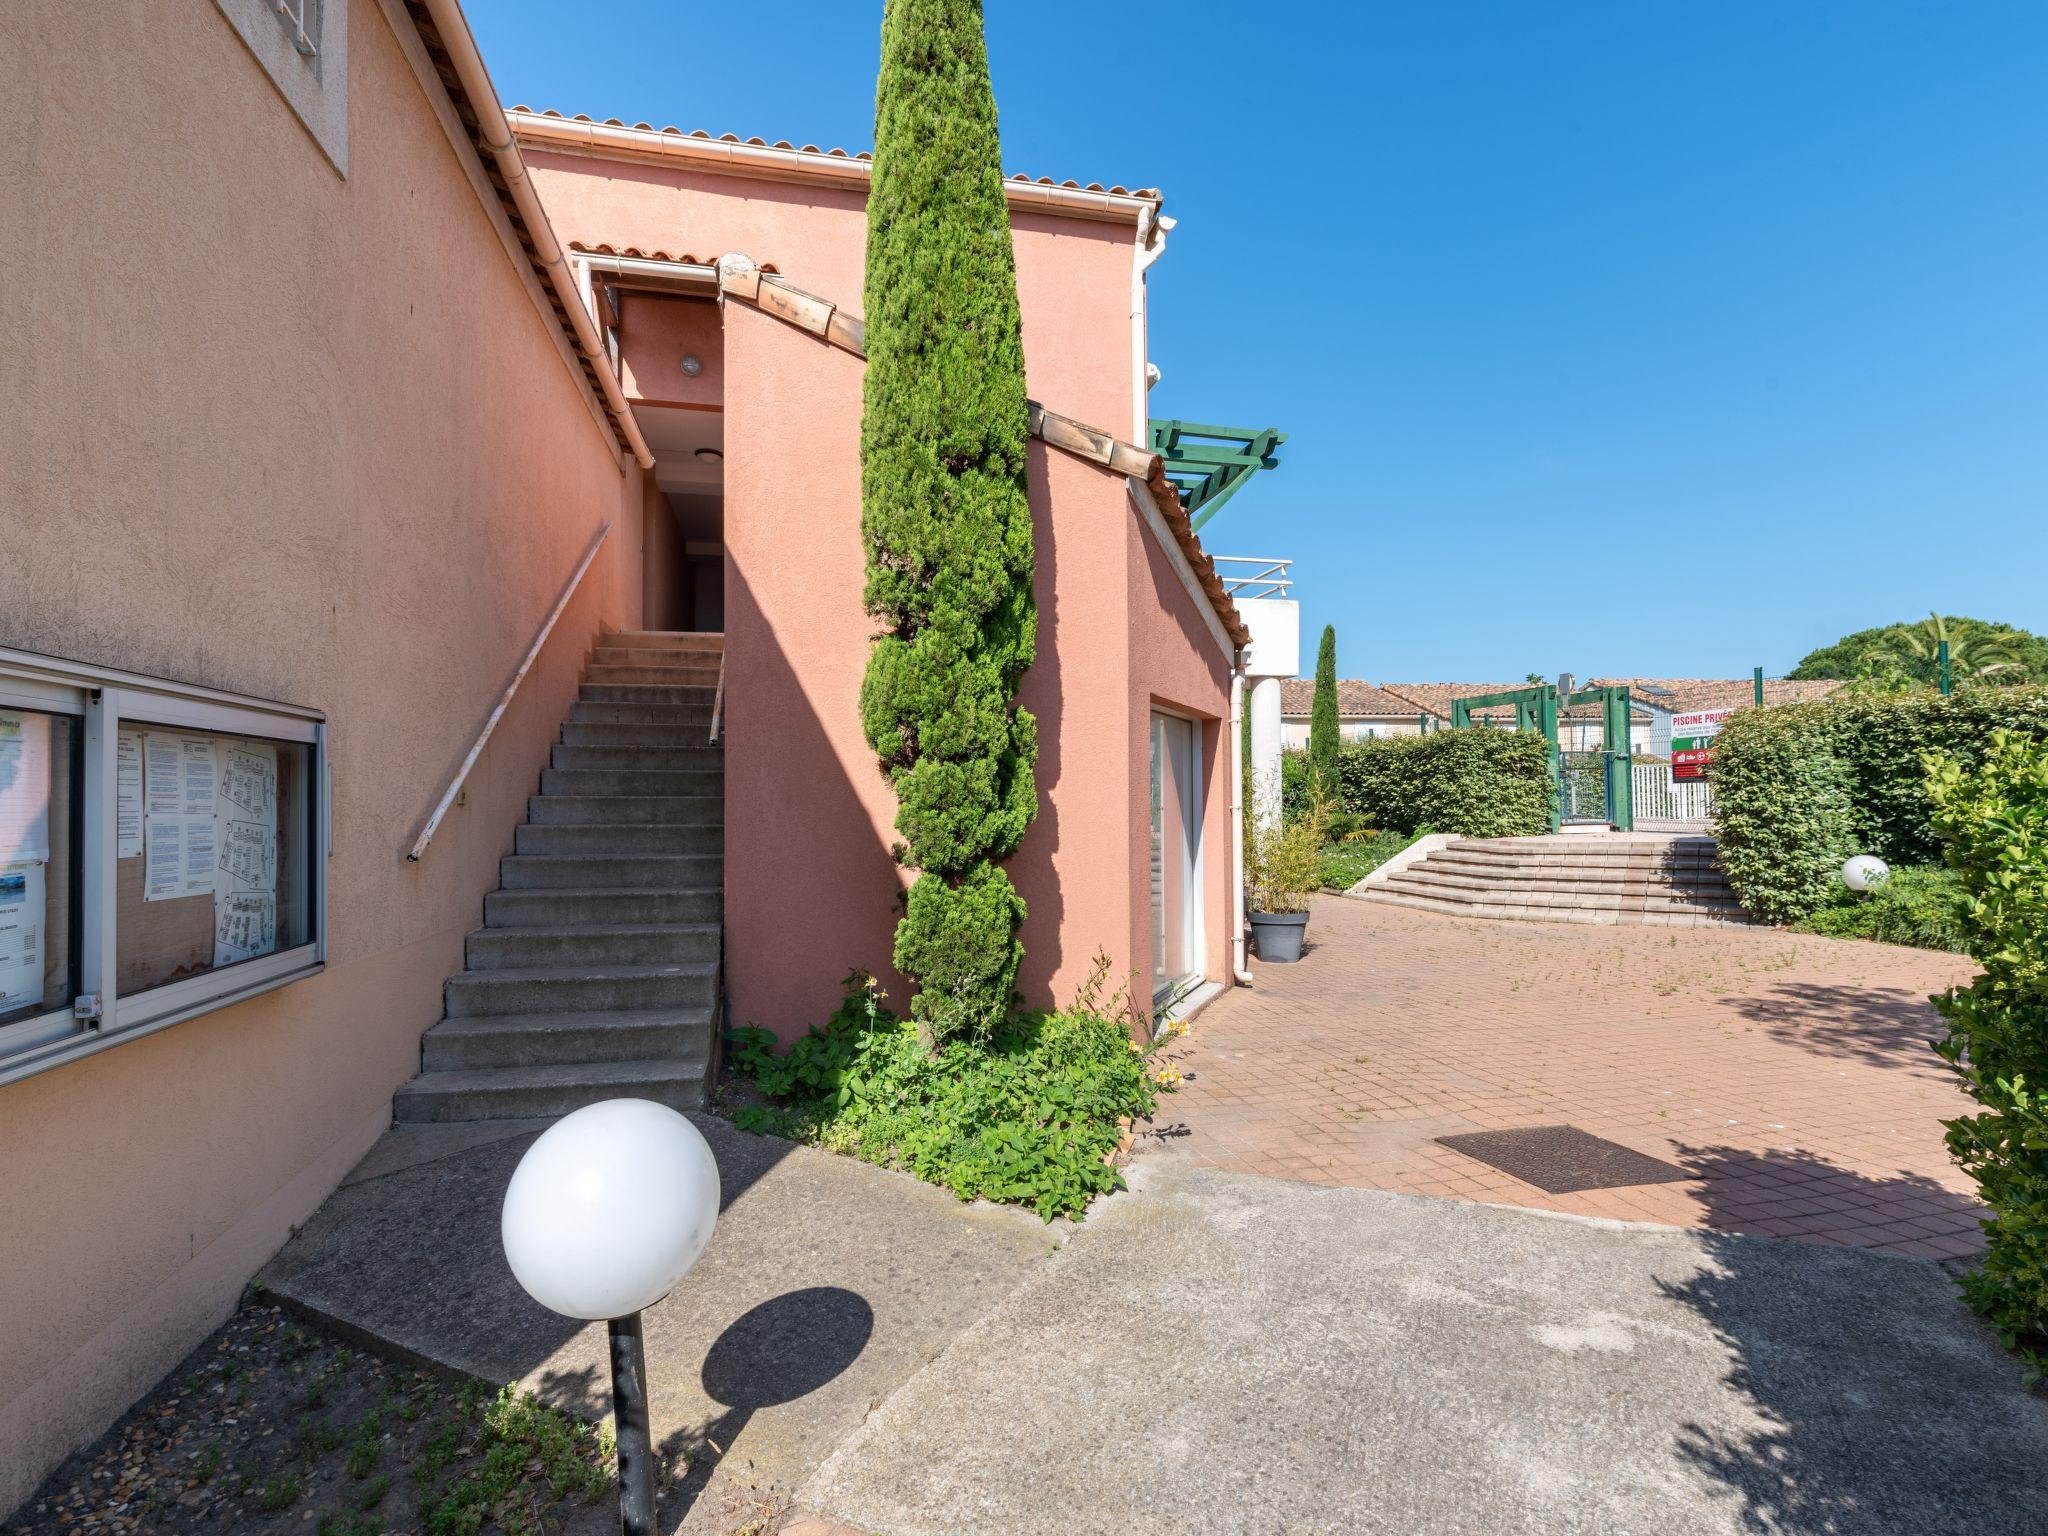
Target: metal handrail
{"type": "Point", "coordinates": [1270, 576]}
{"type": "Point", "coordinates": [505, 699]}
{"type": "Point", "coordinates": [718, 698]}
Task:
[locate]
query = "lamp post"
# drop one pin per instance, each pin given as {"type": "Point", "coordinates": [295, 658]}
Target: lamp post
{"type": "Point", "coordinates": [1865, 872]}
{"type": "Point", "coordinates": [607, 1210]}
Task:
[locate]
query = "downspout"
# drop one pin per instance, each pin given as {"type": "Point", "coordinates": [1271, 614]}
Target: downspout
{"type": "Point", "coordinates": [496, 135]}
{"type": "Point", "coordinates": [1238, 971]}
{"type": "Point", "coordinates": [1152, 232]}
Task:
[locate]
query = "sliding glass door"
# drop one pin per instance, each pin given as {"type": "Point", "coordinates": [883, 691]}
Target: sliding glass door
{"type": "Point", "coordinates": [1176, 856]}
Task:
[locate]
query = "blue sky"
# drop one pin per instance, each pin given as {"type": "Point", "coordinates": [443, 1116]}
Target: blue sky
{"type": "Point", "coordinates": [1630, 337]}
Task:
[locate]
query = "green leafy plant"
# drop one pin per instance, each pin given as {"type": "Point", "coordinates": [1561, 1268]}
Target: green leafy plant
{"type": "Point", "coordinates": [519, 1438]}
{"type": "Point", "coordinates": [1283, 859]}
{"type": "Point", "coordinates": [1916, 906]}
{"type": "Point", "coordinates": [1323, 720]}
{"type": "Point", "coordinates": [1032, 1116]}
{"type": "Point", "coordinates": [945, 515]}
{"type": "Point", "coordinates": [1800, 787]}
{"type": "Point", "coordinates": [1346, 861]}
{"type": "Point", "coordinates": [1474, 782]}
{"type": "Point", "coordinates": [1994, 819]}
{"type": "Point", "coordinates": [1903, 652]}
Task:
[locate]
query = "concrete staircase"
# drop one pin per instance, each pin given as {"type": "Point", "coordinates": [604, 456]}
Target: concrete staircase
{"type": "Point", "coordinates": [1566, 878]}
{"type": "Point", "coordinates": [596, 973]}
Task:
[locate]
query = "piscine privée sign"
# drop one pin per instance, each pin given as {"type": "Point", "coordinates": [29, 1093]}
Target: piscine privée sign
{"type": "Point", "coordinates": [1692, 737]}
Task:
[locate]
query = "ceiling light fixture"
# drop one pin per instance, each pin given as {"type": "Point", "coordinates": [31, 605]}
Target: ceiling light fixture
{"type": "Point", "coordinates": [710, 455]}
{"type": "Point", "coordinates": [692, 365]}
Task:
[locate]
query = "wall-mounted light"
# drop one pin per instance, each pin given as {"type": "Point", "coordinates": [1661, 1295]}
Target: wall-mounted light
{"type": "Point", "coordinates": [710, 455]}
{"type": "Point", "coordinates": [692, 365]}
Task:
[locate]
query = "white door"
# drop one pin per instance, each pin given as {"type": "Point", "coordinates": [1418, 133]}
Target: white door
{"type": "Point", "coordinates": [1176, 855]}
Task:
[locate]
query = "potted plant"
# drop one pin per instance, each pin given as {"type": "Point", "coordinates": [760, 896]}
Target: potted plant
{"type": "Point", "coordinates": [1281, 866]}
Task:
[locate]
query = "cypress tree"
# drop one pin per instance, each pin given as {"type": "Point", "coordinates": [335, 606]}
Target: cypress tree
{"type": "Point", "coordinates": [1322, 720]}
{"type": "Point", "coordinates": [945, 515]}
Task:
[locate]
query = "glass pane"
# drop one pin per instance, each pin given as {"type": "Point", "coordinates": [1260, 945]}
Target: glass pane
{"type": "Point", "coordinates": [40, 768]}
{"type": "Point", "coordinates": [1175, 827]}
{"type": "Point", "coordinates": [213, 863]}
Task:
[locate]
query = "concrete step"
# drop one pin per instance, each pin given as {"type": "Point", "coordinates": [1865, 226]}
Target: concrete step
{"type": "Point", "coordinates": [666, 676]}
{"type": "Point", "coordinates": [665, 639]}
{"type": "Point", "coordinates": [656, 656]}
{"type": "Point", "coordinates": [630, 838]}
{"type": "Point", "coordinates": [688, 757]}
{"type": "Point", "coordinates": [563, 871]}
{"type": "Point", "coordinates": [582, 988]}
{"type": "Point", "coordinates": [646, 693]}
{"type": "Point", "coordinates": [598, 906]}
{"type": "Point", "coordinates": [679, 717]}
{"type": "Point", "coordinates": [630, 781]}
{"type": "Point", "coordinates": [1539, 866]}
{"type": "Point", "coordinates": [556, 1039]}
{"type": "Point", "coordinates": [693, 735]}
{"type": "Point", "coordinates": [1535, 914]}
{"type": "Point", "coordinates": [1563, 881]}
{"type": "Point", "coordinates": [521, 1093]}
{"type": "Point", "coordinates": [625, 810]}
{"type": "Point", "coordinates": [536, 948]}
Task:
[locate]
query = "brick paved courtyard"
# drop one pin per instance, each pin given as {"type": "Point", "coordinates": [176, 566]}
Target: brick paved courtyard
{"type": "Point", "coordinates": [1790, 1075]}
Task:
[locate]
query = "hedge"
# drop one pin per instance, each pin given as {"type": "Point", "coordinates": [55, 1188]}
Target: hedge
{"type": "Point", "coordinates": [1994, 819]}
{"type": "Point", "coordinates": [1477, 782]}
{"type": "Point", "coordinates": [1800, 787]}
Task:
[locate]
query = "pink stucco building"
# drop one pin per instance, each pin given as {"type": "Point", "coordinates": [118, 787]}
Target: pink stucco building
{"type": "Point", "coordinates": [336, 400]}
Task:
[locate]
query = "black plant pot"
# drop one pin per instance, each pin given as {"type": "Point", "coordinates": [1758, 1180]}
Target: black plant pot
{"type": "Point", "coordinates": [1279, 935]}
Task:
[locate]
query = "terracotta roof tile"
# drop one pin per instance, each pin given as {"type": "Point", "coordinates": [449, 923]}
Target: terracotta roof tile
{"type": "Point", "coordinates": [1354, 699]}
{"type": "Point", "coordinates": [1690, 693]}
{"type": "Point", "coordinates": [811, 149]}
{"type": "Point", "coordinates": [635, 253]}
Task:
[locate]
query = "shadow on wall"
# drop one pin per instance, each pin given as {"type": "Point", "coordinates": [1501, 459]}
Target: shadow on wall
{"type": "Point", "coordinates": [1878, 1026]}
{"type": "Point", "coordinates": [1876, 1402]}
{"type": "Point", "coordinates": [811, 888]}
{"type": "Point", "coordinates": [1034, 868]}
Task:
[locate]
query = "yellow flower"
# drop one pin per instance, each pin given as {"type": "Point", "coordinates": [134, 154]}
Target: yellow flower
{"type": "Point", "coordinates": [1177, 1027]}
{"type": "Point", "coordinates": [1167, 1077]}
{"type": "Point", "coordinates": [1136, 1048]}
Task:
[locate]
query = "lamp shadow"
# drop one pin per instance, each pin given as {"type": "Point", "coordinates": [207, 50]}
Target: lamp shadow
{"type": "Point", "coordinates": [784, 1349]}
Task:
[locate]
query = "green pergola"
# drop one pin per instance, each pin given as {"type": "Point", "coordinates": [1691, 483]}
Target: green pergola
{"type": "Point", "coordinates": [1207, 463]}
{"type": "Point", "coordinates": [1537, 709]}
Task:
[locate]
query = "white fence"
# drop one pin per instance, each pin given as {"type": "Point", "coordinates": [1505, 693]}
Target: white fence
{"type": "Point", "coordinates": [1658, 799]}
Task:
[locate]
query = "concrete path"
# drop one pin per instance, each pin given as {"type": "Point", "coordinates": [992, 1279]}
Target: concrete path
{"type": "Point", "coordinates": [1217, 1352]}
{"type": "Point", "coordinates": [1226, 1353]}
{"type": "Point", "coordinates": [827, 1284]}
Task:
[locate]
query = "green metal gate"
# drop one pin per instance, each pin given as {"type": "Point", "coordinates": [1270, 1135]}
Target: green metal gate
{"type": "Point", "coordinates": [1594, 786]}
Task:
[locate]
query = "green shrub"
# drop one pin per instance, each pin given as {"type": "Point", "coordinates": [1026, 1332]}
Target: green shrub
{"type": "Point", "coordinates": [1474, 782]}
{"type": "Point", "coordinates": [1995, 820]}
{"type": "Point", "coordinates": [1030, 1116]}
{"type": "Point", "coordinates": [1800, 787]}
{"type": "Point", "coordinates": [1323, 720]}
{"type": "Point", "coordinates": [1346, 861]}
{"type": "Point", "coordinates": [1921, 907]}
{"type": "Point", "coordinates": [945, 514]}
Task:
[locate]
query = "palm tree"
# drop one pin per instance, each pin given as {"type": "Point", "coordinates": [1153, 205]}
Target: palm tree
{"type": "Point", "coordinates": [1981, 656]}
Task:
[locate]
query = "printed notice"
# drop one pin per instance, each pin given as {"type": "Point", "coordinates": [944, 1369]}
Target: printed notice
{"type": "Point", "coordinates": [163, 775]}
{"type": "Point", "coordinates": [248, 855]}
{"type": "Point", "coordinates": [179, 853]}
{"type": "Point", "coordinates": [199, 776]}
{"type": "Point", "coordinates": [249, 781]}
{"type": "Point", "coordinates": [128, 795]}
{"type": "Point", "coordinates": [244, 926]}
{"type": "Point", "coordinates": [21, 936]}
{"type": "Point", "coordinates": [24, 787]}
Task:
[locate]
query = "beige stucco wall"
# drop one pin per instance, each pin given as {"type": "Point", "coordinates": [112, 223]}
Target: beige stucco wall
{"type": "Point", "coordinates": [272, 431]}
{"type": "Point", "coordinates": [808, 815]}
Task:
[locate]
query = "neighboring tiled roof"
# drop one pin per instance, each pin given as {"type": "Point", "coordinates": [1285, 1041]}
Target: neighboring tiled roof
{"type": "Point", "coordinates": [1355, 699]}
{"type": "Point", "coordinates": [835, 153]}
{"type": "Point", "coordinates": [1690, 693]}
{"type": "Point", "coordinates": [1437, 697]}
{"type": "Point", "coordinates": [635, 253]}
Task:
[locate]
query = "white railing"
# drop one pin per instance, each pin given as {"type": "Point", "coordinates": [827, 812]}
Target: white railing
{"type": "Point", "coordinates": [505, 699]}
{"type": "Point", "coordinates": [1658, 799]}
{"type": "Point", "coordinates": [1244, 576]}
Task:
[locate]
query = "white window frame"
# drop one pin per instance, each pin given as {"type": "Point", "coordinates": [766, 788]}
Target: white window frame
{"type": "Point", "coordinates": [102, 698]}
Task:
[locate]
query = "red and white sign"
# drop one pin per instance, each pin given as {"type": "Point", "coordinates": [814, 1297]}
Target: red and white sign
{"type": "Point", "coordinates": [1691, 733]}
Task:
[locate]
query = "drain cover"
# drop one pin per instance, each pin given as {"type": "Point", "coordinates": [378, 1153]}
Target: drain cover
{"type": "Point", "coordinates": [1558, 1159]}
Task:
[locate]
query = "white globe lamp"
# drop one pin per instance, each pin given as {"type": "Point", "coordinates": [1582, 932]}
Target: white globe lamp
{"type": "Point", "coordinates": [607, 1210]}
{"type": "Point", "coordinates": [1865, 872]}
